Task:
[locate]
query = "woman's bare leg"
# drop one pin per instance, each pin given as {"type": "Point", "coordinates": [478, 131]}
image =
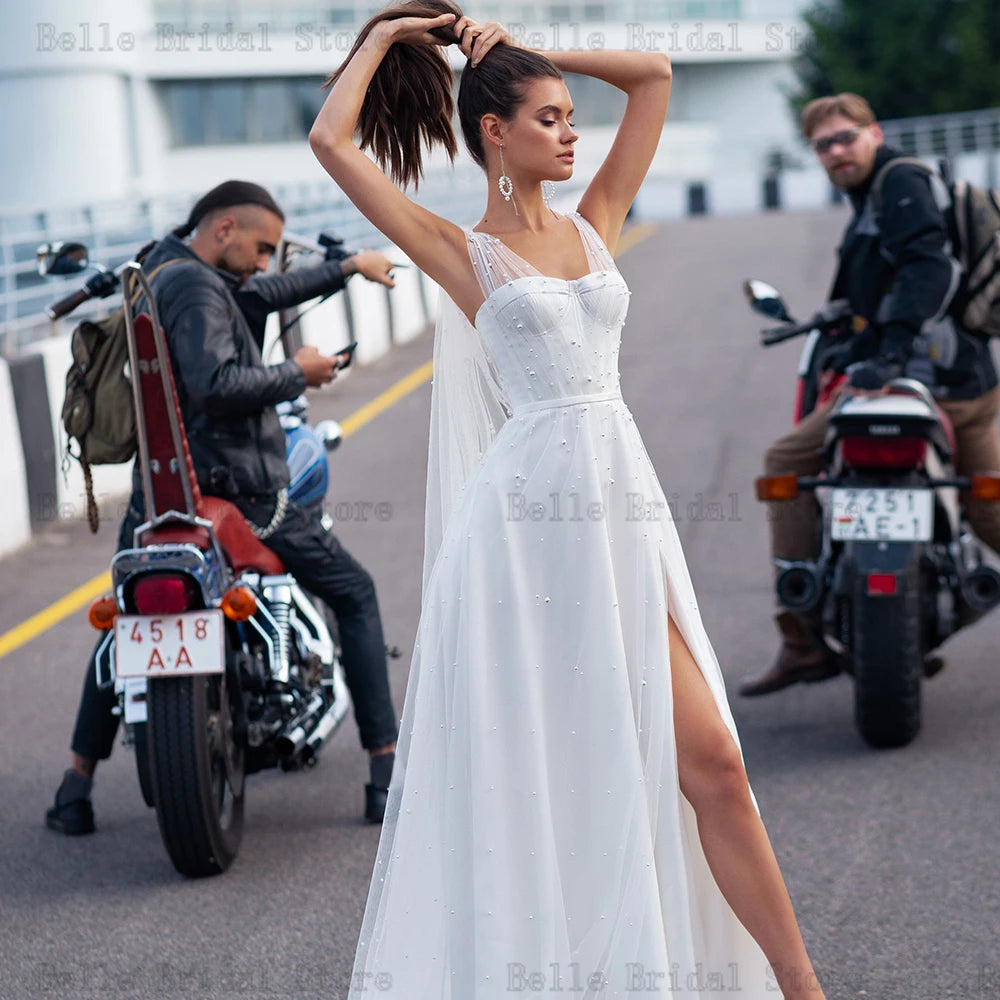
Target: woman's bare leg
{"type": "Point", "coordinates": [736, 845]}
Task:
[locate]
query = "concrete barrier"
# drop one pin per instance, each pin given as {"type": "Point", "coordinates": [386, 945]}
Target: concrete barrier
{"type": "Point", "coordinates": [407, 303]}
{"type": "Point", "coordinates": [15, 524]}
{"type": "Point", "coordinates": [325, 325]}
{"type": "Point", "coordinates": [32, 388]}
{"type": "Point", "coordinates": [372, 318]}
{"type": "Point", "coordinates": [31, 402]}
{"type": "Point", "coordinates": [69, 501]}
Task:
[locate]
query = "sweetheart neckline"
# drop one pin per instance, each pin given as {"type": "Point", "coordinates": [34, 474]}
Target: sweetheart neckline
{"type": "Point", "coordinates": [543, 277]}
{"type": "Point", "coordinates": [576, 218]}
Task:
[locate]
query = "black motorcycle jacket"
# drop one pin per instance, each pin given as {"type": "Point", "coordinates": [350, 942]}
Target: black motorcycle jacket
{"type": "Point", "coordinates": [226, 393]}
{"type": "Point", "coordinates": [898, 273]}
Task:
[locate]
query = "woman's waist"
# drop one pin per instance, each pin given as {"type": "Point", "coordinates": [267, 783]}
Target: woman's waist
{"type": "Point", "coordinates": [558, 402]}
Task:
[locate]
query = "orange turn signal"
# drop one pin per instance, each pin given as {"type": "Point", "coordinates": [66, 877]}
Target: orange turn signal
{"type": "Point", "coordinates": [985, 487]}
{"type": "Point", "coordinates": [102, 613]}
{"type": "Point", "coordinates": [239, 603]}
{"type": "Point", "coordinates": [785, 487]}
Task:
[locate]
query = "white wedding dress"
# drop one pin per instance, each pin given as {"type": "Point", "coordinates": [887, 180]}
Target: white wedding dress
{"type": "Point", "coordinates": [536, 842]}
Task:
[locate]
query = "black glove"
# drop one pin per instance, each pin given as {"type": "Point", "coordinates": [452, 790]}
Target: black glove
{"type": "Point", "coordinates": [874, 373]}
{"type": "Point", "coordinates": [838, 358]}
{"type": "Point", "coordinates": [334, 247]}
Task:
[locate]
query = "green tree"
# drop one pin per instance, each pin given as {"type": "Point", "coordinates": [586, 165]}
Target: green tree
{"type": "Point", "coordinates": [907, 57]}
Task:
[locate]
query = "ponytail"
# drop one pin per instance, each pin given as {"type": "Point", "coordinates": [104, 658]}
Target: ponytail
{"type": "Point", "coordinates": [409, 101]}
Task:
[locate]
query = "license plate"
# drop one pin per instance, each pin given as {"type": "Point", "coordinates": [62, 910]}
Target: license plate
{"type": "Point", "coordinates": [883, 515]}
{"type": "Point", "coordinates": [171, 646]}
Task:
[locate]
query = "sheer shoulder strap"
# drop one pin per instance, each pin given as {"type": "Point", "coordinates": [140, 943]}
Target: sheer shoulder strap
{"type": "Point", "coordinates": [494, 262]}
{"type": "Point", "coordinates": [598, 255]}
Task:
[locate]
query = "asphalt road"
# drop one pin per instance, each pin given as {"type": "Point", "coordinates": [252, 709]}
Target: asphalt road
{"type": "Point", "coordinates": [891, 858]}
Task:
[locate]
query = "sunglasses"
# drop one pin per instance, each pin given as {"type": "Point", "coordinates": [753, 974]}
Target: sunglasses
{"type": "Point", "coordinates": [844, 138]}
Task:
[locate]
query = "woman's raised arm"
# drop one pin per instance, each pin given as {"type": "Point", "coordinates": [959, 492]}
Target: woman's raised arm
{"type": "Point", "coordinates": [435, 245]}
{"type": "Point", "coordinates": [645, 77]}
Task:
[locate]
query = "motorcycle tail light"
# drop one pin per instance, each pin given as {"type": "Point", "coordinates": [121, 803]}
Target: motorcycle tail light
{"type": "Point", "coordinates": [102, 613]}
{"type": "Point", "coordinates": [882, 584]}
{"type": "Point", "coordinates": [165, 594]}
{"type": "Point", "coordinates": [985, 487]}
{"type": "Point", "coordinates": [890, 453]}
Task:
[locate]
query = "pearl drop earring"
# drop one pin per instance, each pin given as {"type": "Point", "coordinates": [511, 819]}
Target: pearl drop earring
{"type": "Point", "coordinates": [505, 183]}
{"type": "Point", "coordinates": [548, 192]}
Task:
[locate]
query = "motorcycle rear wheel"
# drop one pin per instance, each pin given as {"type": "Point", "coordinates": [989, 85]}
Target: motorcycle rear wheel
{"type": "Point", "coordinates": [197, 772]}
{"type": "Point", "coordinates": [888, 663]}
{"type": "Point", "coordinates": [141, 746]}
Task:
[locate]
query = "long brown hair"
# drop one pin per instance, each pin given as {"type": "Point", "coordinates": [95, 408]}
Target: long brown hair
{"type": "Point", "coordinates": [409, 104]}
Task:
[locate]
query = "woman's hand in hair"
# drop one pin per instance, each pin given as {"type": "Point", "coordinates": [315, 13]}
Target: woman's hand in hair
{"type": "Point", "coordinates": [476, 39]}
{"type": "Point", "coordinates": [413, 30]}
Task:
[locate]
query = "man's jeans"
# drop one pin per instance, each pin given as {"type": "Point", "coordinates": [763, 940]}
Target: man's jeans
{"type": "Point", "coordinates": [322, 566]}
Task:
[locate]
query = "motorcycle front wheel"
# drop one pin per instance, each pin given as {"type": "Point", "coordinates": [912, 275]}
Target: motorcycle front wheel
{"type": "Point", "coordinates": [197, 772]}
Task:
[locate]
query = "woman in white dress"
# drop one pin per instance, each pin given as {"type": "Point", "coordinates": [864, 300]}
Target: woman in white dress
{"type": "Point", "coordinates": [569, 811]}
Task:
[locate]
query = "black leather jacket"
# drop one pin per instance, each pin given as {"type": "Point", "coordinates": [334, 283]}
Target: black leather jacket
{"type": "Point", "coordinates": [227, 394]}
{"type": "Point", "coordinates": [898, 272]}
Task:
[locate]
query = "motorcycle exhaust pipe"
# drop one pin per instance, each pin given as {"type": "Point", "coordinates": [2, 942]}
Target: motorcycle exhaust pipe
{"type": "Point", "coordinates": [324, 727]}
{"type": "Point", "coordinates": [981, 589]}
{"type": "Point", "coordinates": [800, 586]}
{"type": "Point", "coordinates": [293, 737]}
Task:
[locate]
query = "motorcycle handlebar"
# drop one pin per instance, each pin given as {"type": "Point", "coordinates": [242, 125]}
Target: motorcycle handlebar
{"type": "Point", "coordinates": [67, 304]}
{"type": "Point", "coordinates": [777, 334]}
{"type": "Point", "coordinates": [832, 315]}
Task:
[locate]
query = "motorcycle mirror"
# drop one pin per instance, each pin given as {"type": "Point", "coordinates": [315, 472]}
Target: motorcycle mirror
{"type": "Point", "coordinates": [330, 433]}
{"type": "Point", "coordinates": [62, 258]}
{"type": "Point", "coordinates": [766, 299]}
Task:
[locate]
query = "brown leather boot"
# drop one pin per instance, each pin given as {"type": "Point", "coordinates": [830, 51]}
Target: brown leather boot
{"type": "Point", "coordinates": [803, 657]}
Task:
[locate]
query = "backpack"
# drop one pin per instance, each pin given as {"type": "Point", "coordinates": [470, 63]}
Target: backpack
{"type": "Point", "coordinates": [973, 220]}
{"type": "Point", "coordinates": [98, 413]}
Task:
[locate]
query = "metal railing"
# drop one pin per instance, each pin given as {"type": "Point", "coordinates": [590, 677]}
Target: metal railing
{"type": "Point", "coordinates": [948, 136]}
{"type": "Point", "coordinates": [115, 231]}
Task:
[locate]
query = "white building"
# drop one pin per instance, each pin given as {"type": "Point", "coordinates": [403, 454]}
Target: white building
{"type": "Point", "coordinates": [111, 104]}
{"type": "Point", "coordinates": [143, 97]}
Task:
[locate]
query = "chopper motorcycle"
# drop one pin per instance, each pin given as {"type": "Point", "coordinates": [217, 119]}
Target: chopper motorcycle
{"type": "Point", "coordinates": [222, 664]}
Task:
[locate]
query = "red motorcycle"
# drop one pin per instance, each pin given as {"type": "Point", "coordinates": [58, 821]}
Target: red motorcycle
{"type": "Point", "coordinates": [898, 569]}
{"type": "Point", "coordinates": [222, 664]}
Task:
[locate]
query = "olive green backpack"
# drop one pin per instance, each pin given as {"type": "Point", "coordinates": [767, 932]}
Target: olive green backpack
{"type": "Point", "coordinates": [97, 412]}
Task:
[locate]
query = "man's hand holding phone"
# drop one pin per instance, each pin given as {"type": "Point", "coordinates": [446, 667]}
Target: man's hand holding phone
{"type": "Point", "coordinates": [318, 368]}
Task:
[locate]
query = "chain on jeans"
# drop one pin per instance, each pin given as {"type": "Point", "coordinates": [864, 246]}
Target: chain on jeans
{"type": "Point", "coordinates": [276, 518]}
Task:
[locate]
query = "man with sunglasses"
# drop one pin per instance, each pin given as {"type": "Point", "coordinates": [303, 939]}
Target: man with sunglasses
{"type": "Point", "coordinates": [898, 272]}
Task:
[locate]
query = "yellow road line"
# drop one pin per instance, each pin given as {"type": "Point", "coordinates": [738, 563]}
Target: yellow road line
{"type": "Point", "coordinates": [87, 592]}
{"type": "Point", "coordinates": [54, 613]}
{"type": "Point", "coordinates": [73, 601]}
{"type": "Point", "coordinates": [390, 397]}
{"type": "Point", "coordinates": [635, 235]}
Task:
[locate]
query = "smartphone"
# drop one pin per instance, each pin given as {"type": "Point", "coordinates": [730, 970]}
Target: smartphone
{"type": "Point", "coordinates": [349, 351]}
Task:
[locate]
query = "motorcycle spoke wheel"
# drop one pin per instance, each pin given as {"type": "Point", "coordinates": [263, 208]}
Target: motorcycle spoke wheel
{"type": "Point", "coordinates": [197, 772]}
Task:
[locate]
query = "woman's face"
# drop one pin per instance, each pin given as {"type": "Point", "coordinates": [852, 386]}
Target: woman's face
{"type": "Point", "coordinates": [538, 141]}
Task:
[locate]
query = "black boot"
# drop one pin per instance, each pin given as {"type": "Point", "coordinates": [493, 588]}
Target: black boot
{"type": "Point", "coordinates": [377, 791]}
{"type": "Point", "coordinates": [803, 657]}
{"type": "Point", "coordinates": [72, 813]}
